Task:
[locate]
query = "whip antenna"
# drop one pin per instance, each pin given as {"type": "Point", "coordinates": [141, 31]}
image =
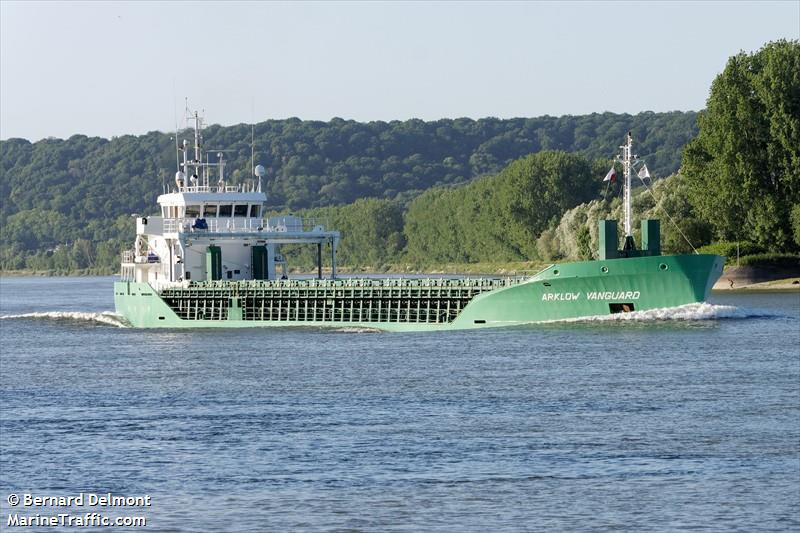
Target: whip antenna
{"type": "Point", "coordinates": [175, 109]}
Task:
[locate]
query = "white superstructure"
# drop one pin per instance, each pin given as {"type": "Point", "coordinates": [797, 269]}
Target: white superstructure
{"type": "Point", "coordinates": [209, 229]}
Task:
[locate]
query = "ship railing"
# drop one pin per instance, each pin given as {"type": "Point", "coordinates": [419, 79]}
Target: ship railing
{"type": "Point", "coordinates": [213, 225]}
{"type": "Point", "coordinates": [288, 224]}
{"type": "Point", "coordinates": [292, 223]}
{"type": "Point", "coordinates": [399, 283]}
{"type": "Point", "coordinates": [196, 188]}
{"type": "Point", "coordinates": [211, 188]}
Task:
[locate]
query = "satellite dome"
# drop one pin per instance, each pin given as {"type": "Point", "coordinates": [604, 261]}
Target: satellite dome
{"type": "Point", "coordinates": [260, 171]}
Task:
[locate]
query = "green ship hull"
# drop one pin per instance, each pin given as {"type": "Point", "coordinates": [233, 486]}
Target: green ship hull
{"type": "Point", "coordinates": [561, 291]}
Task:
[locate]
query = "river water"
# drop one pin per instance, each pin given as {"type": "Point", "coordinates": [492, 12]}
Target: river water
{"type": "Point", "coordinates": [679, 419]}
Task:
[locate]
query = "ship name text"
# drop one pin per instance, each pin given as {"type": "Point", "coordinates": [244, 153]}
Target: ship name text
{"type": "Point", "coordinates": [606, 295]}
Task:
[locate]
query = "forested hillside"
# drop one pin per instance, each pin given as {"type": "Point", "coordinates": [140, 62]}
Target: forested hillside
{"type": "Point", "coordinates": [313, 164]}
{"type": "Point", "coordinates": [59, 192]}
{"type": "Point", "coordinates": [447, 191]}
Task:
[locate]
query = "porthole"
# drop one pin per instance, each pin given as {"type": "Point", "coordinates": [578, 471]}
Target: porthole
{"type": "Point", "coordinates": [663, 266]}
{"type": "Point", "coordinates": [604, 270]}
{"type": "Point", "coordinates": [556, 272]}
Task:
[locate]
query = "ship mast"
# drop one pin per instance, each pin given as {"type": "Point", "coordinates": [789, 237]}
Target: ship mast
{"type": "Point", "coordinates": [627, 159]}
{"type": "Point", "coordinates": [198, 180]}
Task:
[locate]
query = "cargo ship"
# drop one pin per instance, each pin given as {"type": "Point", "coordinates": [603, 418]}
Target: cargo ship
{"type": "Point", "coordinates": [213, 260]}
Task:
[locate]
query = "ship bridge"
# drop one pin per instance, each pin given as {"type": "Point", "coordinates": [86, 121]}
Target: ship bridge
{"type": "Point", "coordinates": [210, 230]}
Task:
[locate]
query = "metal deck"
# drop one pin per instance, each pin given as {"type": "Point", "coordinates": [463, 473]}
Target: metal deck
{"type": "Point", "coordinates": [418, 301]}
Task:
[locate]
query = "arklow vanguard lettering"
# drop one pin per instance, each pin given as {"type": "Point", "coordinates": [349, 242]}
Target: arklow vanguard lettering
{"type": "Point", "coordinates": [607, 295]}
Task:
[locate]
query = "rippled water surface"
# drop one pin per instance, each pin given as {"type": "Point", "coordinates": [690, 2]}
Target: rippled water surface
{"type": "Point", "coordinates": [674, 420]}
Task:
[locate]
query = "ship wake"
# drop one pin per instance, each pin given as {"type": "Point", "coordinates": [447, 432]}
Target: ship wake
{"type": "Point", "coordinates": [356, 329]}
{"type": "Point", "coordinates": [688, 312]}
{"type": "Point", "coordinates": [106, 318]}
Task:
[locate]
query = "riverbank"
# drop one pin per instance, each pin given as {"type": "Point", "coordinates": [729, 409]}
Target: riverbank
{"type": "Point", "coordinates": [763, 276]}
{"type": "Point", "coordinates": [788, 284]}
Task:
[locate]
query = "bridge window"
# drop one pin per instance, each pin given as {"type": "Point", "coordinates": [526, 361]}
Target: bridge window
{"type": "Point", "coordinates": [240, 210]}
{"type": "Point", "coordinates": [255, 211]}
{"type": "Point", "coordinates": [192, 211]}
{"type": "Point", "coordinates": [225, 211]}
{"type": "Point", "coordinates": [210, 210]}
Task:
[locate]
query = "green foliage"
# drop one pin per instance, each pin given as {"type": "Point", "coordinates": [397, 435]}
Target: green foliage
{"type": "Point", "coordinates": [584, 239]}
{"type": "Point", "coordinates": [548, 246]}
{"type": "Point", "coordinates": [772, 259]}
{"type": "Point", "coordinates": [795, 221]}
{"type": "Point", "coordinates": [669, 197]}
{"type": "Point", "coordinates": [670, 202]}
{"type": "Point", "coordinates": [744, 167]}
{"type": "Point", "coordinates": [372, 234]}
{"type": "Point", "coordinates": [584, 216]}
{"type": "Point", "coordinates": [498, 218]}
{"type": "Point", "coordinates": [55, 191]}
{"type": "Point", "coordinates": [728, 250]}
{"type": "Point", "coordinates": [539, 188]}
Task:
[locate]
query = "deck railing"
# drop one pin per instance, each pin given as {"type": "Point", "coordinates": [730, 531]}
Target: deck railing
{"type": "Point", "coordinates": [288, 224]}
{"type": "Point", "coordinates": [213, 188]}
{"type": "Point", "coordinates": [213, 225]}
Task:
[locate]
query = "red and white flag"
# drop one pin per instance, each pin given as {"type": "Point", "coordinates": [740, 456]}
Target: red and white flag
{"type": "Point", "coordinates": [611, 176]}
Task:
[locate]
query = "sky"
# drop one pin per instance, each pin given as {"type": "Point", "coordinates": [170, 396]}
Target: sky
{"type": "Point", "coordinates": [109, 69]}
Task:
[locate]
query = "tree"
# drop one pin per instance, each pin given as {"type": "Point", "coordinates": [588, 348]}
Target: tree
{"type": "Point", "coordinates": [537, 189]}
{"type": "Point", "coordinates": [584, 243]}
{"type": "Point", "coordinates": [499, 218]}
{"type": "Point", "coordinates": [795, 219]}
{"type": "Point", "coordinates": [744, 166]}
